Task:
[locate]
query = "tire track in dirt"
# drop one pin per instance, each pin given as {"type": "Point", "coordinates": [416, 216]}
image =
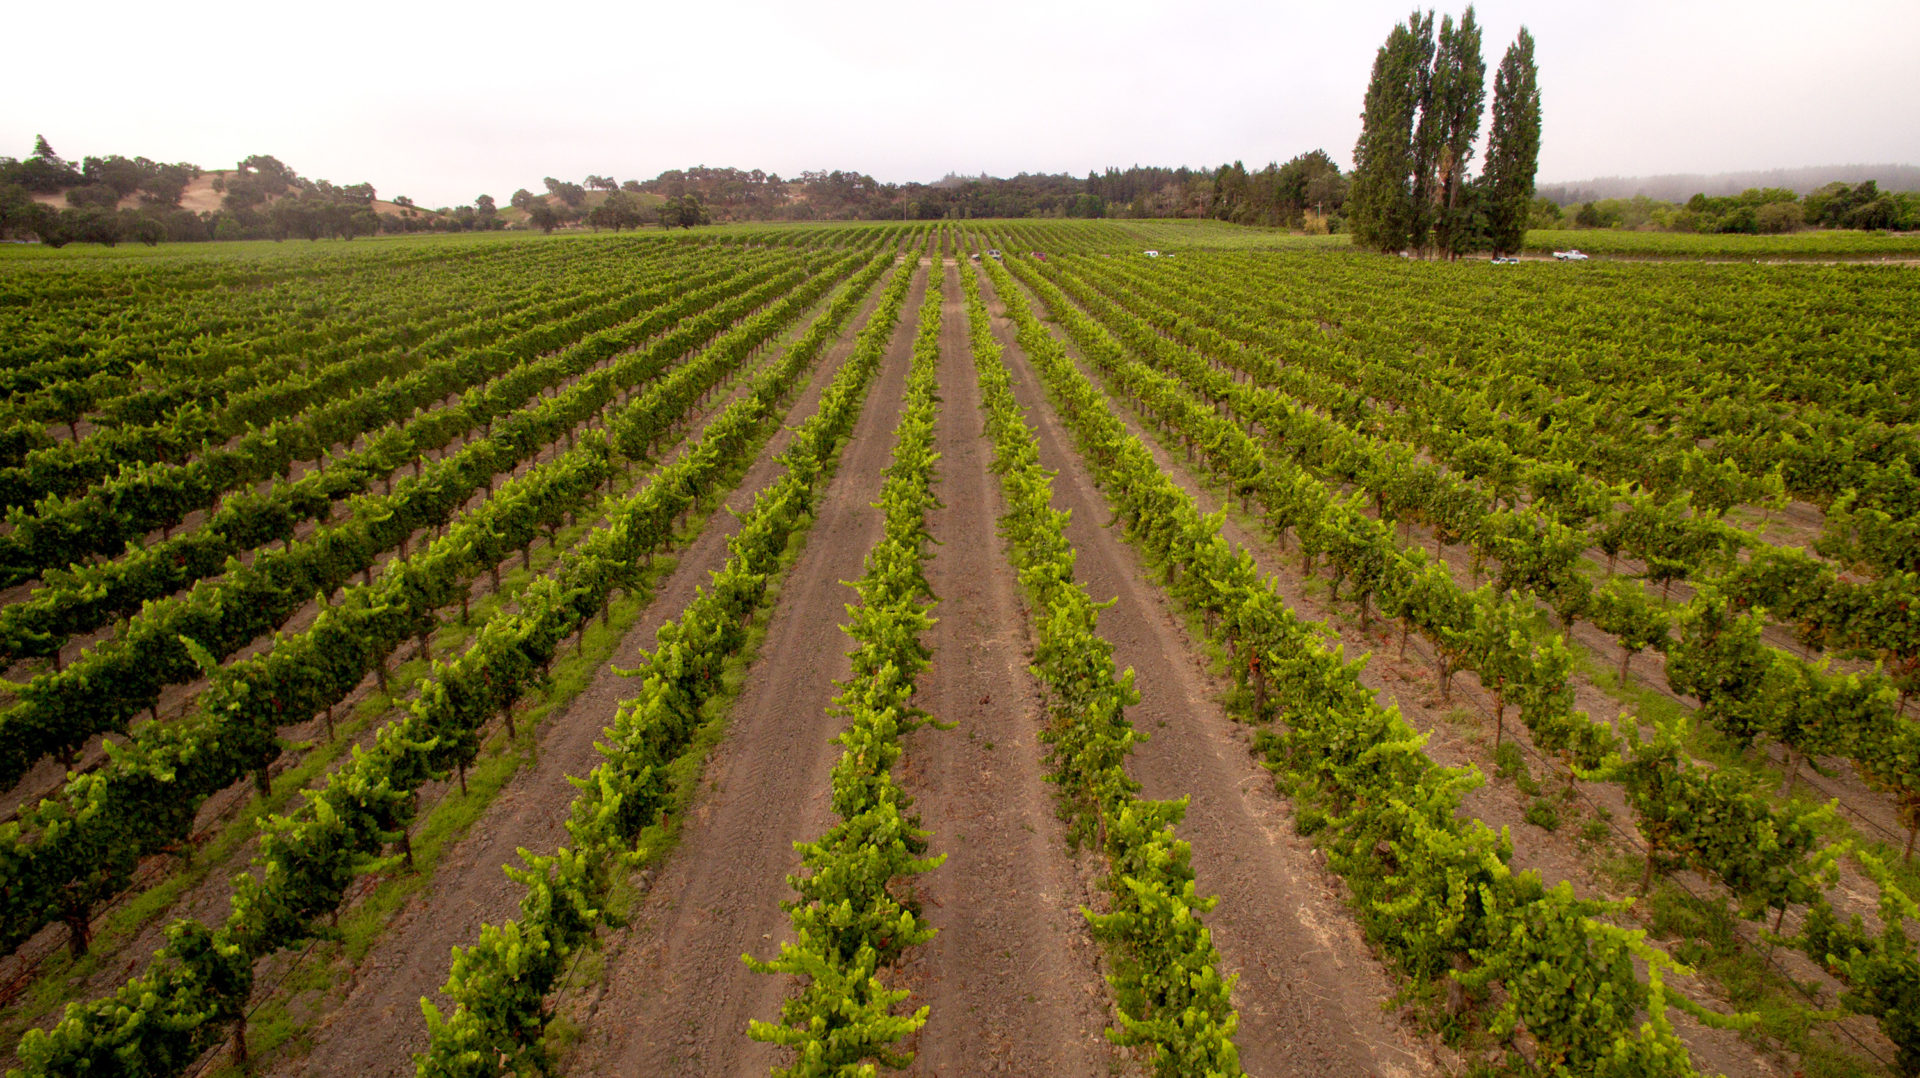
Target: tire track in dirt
{"type": "Point", "coordinates": [1310, 994]}
{"type": "Point", "coordinates": [1012, 982]}
{"type": "Point", "coordinates": [378, 1026]}
{"type": "Point", "coordinates": [676, 998]}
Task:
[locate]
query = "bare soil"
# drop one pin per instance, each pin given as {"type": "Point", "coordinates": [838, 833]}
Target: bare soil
{"type": "Point", "coordinates": [676, 998]}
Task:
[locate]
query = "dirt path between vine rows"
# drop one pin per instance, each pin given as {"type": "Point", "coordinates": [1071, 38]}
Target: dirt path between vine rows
{"type": "Point", "coordinates": [378, 1026]}
{"type": "Point", "coordinates": [676, 998]}
{"type": "Point", "coordinates": [1310, 995]}
{"type": "Point", "coordinates": [1012, 982]}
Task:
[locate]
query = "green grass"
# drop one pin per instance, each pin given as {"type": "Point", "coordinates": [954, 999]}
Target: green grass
{"type": "Point", "coordinates": [1814, 244]}
{"type": "Point", "coordinates": [1704, 935]}
{"type": "Point", "coordinates": [1703, 742]}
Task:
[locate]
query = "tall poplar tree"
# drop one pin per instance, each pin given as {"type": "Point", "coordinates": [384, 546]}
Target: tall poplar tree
{"type": "Point", "coordinates": [1380, 201]}
{"type": "Point", "coordinates": [1459, 92]}
{"type": "Point", "coordinates": [1417, 131]}
{"type": "Point", "coordinates": [1513, 146]}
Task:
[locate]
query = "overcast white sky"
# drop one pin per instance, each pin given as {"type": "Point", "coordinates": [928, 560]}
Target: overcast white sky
{"type": "Point", "coordinates": [442, 101]}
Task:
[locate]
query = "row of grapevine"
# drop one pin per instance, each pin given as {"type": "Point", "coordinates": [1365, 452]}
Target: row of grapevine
{"type": "Point", "coordinates": [115, 680]}
{"type": "Point", "coordinates": [1173, 999]}
{"type": "Point", "coordinates": [1856, 716]}
{"type": "Point", "coordinates": [188, 413]}
{"type": "Point", "coordinates": [848, 922]}
{"type": "Point", "coordinates": [159, 495]}
{"type": "Point", "coordinates": [66, 854]}
{"type": "Point", "coordinates": [198, 983]}
{"type": "Point", "coordinates": [86, 596]}
{"type": "Point", "coordinates": [1715, 822]}
{"type": "Point", "coordinates": [500, 984]}
{"type": "Point", "coordinates": [1395, 832]}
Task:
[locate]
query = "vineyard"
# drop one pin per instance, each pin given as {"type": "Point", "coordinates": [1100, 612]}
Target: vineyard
{"type": "Point", "coordinates": [1065, 648]}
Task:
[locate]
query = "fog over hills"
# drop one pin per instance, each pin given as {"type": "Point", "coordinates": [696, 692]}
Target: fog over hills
{"type": "Point", "coordinates": [1680, 186]}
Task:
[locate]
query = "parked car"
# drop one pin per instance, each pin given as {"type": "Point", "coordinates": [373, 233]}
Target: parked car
{"type": "Point", "coordinates": [1570, 256]}
{"type": "Point", "coordinates": [996, 255]}
{"type": "Point", "coordinates": [1506, 261]}
{"type": "Point", "coordinates": [1151, 254]}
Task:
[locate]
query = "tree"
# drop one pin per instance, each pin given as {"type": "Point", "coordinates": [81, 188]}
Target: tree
{"type": "Point", "coordinates": [92, 224]}
{"type": "Point", "coordinates": [620, 210]}
{"type": "Point", "coordinates": [93, 194]}
{"type": "Point", "coordinates": [684, 212]}
{"type": "Point", "coordinates": [15, 209]}
{"type": "Point", "coordinates": [134, 225]}
{"type": "Point", "coordinates": [162, 185]}
{"type": "Point", "coordinates": [273, 177]}
{"type": "Point", "coordinates": [115, 171]}
{"type": "Point", "coordinates": [522, 200]}
{"type": "Point", "coordinates": [601, 183]}
{"type": "Point", "coordinates": [1513, 146]}
{"type": "Point", "coordinates": [1459, 91]}
{"type": "Point", "coordinates": [1780, 217]}
{"type": "Point", "coordinates": [543, 216]}
{"type": "Point", "coordinates": [44, 172]}
{"type": "Point", "coordinates": [1379, 203]}
{"type": "Point", "coordinates": [570, 193]}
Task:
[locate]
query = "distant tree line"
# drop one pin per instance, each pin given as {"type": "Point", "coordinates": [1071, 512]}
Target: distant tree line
{"type": "Point", "coordinates": [1412, 188]}
{"type": "Point", "coordinates": [113, 199]}
{"type": "Point", "coordinates": [1757, 210]}
{"type": "Point", "coordinates": [1307, 191]}
{"type": "Point", "coordinates": [1678, 187]}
